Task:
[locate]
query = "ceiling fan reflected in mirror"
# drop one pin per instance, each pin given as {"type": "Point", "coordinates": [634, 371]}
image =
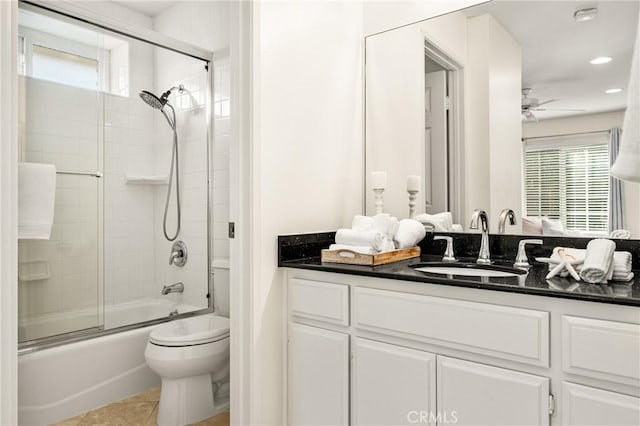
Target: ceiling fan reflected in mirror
{"type": "Point", "coordinates": [529, 105]}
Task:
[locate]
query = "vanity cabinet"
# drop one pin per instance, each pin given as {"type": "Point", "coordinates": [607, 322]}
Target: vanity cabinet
{"type": "Point", "coordinates": [391, 384]}
{"type": "Point", "coordinates": [477, 394]}
{"type": "Point", "coordinates": [374, 351]}
{"type": "Point", "coordinates": [319, 389]}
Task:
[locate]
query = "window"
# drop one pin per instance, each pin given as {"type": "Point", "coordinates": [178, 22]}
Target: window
{"type": "Point", "coordinates": [569, 181]}
{"type": "Point", "coordinates": [62, 67]}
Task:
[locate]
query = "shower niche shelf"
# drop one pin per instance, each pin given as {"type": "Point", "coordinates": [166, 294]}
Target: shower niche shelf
{"type": "Point", "coordinates": [133, 179]}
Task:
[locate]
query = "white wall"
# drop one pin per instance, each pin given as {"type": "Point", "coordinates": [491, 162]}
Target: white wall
{"type": "Point", "coordinates": [385, 15]}
{"type": "Point", "coordinates": [593, 123]}
{"type": "Point", "coordinates": [493, 157]}
{"type": "Point", "coordinates": [307, 157]}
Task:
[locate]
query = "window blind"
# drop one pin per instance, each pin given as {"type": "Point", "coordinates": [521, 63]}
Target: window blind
{"type": "Point", "coordinates": [569, 183]}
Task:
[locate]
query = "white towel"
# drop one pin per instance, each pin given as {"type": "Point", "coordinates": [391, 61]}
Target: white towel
{"type": "Point", "coordinates": [621, 262]}
{"type": "Point", "coordinates": [357, 249]}
{"type": "Point", "coordinates": [410, 232]}
{"type": "Point", "coordinates": [598, 261]}
{"type": "Point", "coordinates": [442, 222]}
{"type": "Point", "coordinates": [385, 224]}
{"type": "Point", "coordinates": [350, 237]}
{"type": "Point", "coordinates": [362, 223]}
{"type": "Point", "coordinates": [36, 199]}
{"type": "Point", "coordinates": [627, 165]}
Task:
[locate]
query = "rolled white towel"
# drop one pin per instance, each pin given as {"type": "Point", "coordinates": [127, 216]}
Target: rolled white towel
{"type": "Point", "coordinates": [598, 261]}
{"type": "Point", "coordinates": [362, 223]}
{"type": "Point", "coordinates": [384, 224]}
{"type": "Point", "coordinates": [351, 237]}
{"type": "Point", "coordinates": [410, 232]}
{"type": "Point", "coordinates": [621, 262]}
{"type": "Point", "coordinates": [357, 249]}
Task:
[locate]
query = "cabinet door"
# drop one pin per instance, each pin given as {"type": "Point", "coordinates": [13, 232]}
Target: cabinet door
{"type": "Point", "coordinates": [478, 394]}
{"type": "Point", "coordinates": [586, 406]}
{"type": "Point", "coordinates": [318, 376]}
{"type": "Point", "coordinates": [392, 385]}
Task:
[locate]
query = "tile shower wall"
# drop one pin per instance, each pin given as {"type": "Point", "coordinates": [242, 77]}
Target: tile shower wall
{"type": "Point", "coordinates": [192, 145]}
{"type": "Point", "coordinates": [58, 125]}
{"type": "Point", "coordinates": [209, 28]}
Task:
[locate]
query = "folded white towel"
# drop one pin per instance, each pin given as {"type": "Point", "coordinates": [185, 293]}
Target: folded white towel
{"type": "Point", "coordinates": [36, 199]}
{"type": "Point", "coordinates": [627, 165]}
{"type": "Point", "coordinates": [456, 227]}
{"type": "Point", "coordinates": [621, 262]}
{"type": "Point", "coordinates": [598, 261]}
{"type": "Point", "coordinates": [350, 237]}
{"type": "Point", "coordinates": [442, 222]}
{"type": "Point", "coordinates": [357, 249]}
{"type": "Point", "coordinates": [410, 232]}
{"type": "Point", "coordinates": [362, 223]}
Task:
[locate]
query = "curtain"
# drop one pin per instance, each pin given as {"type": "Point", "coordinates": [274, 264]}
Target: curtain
{"type": "Point", "coordinates": [616, 206]}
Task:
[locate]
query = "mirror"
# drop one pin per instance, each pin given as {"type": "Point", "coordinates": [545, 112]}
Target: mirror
{"type": "Point", "coordinates": [497, 106]}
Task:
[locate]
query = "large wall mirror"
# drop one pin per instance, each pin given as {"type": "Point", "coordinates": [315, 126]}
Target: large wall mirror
{"type": "Point", "coordinates": [505, 105]}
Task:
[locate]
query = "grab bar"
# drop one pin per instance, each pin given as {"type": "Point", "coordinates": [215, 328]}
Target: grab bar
{"type": "Point", "coordinates": [65, 172]}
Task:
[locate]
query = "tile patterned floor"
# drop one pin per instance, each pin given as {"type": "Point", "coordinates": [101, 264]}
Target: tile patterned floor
{"type": "Point", "coordinates": [140, 409]}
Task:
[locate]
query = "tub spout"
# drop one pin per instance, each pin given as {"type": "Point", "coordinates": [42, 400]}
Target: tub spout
{"type": "Point", "coordinates": [173, 288]}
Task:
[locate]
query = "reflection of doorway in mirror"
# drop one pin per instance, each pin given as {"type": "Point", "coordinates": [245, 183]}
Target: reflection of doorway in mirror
{"type": "Point", "coordinates": [436, 138]}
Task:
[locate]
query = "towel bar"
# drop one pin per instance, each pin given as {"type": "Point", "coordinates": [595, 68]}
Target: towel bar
{"type": "Point", "coordinates": [94, 174]}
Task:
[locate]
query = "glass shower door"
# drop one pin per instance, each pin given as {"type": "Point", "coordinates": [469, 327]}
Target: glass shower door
{"type": "Point", "coordinates": [59, 273]}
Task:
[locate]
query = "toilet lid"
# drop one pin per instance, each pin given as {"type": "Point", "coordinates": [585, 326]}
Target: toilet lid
{"type": "Point", "coordinates": [191, 331]}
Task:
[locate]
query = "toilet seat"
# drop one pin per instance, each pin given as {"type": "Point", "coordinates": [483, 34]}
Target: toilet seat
{"type": "Point", "coordinates": [197, 330]}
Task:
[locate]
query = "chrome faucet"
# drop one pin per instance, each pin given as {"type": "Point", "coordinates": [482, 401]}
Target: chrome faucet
{"type": "Point", "coordinates": [504, 214]}
{"type": "Point", "coordinates": [178, 255]}
{"type": "Point", "coordinates": [173, 288]}
{"type": "Point", "coordinates": [484, 257]}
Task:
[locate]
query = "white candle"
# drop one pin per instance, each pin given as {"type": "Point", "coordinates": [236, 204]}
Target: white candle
{"type": "Point", "coordinates": [378, 180]}
{"type": "Point", "coordinates": [413, 183]}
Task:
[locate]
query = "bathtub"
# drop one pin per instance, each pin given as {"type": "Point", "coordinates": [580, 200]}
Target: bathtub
{"type": "Point", "coordinates": [63, 381]}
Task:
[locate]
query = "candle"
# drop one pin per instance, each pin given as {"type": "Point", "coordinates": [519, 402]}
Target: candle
{"type": "Point", "coordinates": [413, 183]}
{"type": "Point", "coordinates": [378, 180]}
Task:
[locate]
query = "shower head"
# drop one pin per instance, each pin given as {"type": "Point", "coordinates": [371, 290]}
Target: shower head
{"type": "Point", "coordinates": [159, 102]}
{"type": "Point", "coordinates": [153, 100]}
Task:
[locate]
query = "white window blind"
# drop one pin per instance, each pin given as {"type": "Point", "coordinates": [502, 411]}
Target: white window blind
{"type": "Point", "coordinates": [570, 183]}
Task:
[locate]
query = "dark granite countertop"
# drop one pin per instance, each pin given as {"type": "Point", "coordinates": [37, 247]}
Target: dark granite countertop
{"type": "Point", "coordinates": [302, 252]}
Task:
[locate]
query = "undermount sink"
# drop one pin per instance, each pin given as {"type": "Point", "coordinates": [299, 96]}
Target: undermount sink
{"type": "Point", "coordinates": [468, 269]}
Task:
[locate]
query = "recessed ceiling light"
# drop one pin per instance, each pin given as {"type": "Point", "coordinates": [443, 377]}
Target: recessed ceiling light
{"type": "Point", "coordinates": [600, 60]}
{"type": "Point", "coordinates": [583, 15]}
{"type": "Point", "coordinates": [610, 91]}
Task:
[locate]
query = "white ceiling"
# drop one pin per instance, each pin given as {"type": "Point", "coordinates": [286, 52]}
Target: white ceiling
{"type": "Point", "coordinates": [556, 51]}
{"type": "Point", "coordinates": [148, 7]}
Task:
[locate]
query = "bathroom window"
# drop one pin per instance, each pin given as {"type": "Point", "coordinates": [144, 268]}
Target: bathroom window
{"type": "Point", "coordinates": [63, 67]}
{"type": "Point", "coordinates": [569, 182]}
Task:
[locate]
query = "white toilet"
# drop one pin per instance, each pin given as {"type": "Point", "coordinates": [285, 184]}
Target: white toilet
{"type": "Point", "coordinates": [192, 357]}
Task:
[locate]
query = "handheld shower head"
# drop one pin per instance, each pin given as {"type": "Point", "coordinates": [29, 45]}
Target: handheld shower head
{"type": "Point", "coordinates": [159, 102]}
{"type": "Point", "coordinates": [152, 100]}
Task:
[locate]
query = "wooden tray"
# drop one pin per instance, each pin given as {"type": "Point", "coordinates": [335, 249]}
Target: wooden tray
{"type": "Point", "coordinates": [353, 258]}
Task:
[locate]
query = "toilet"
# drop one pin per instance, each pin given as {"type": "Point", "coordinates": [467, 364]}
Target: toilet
{"type": "Point", "coordinates": [191, 356]}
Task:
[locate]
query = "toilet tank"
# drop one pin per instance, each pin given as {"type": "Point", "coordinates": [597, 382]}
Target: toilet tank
{"type": "Point", "coordinates": [221, 278]}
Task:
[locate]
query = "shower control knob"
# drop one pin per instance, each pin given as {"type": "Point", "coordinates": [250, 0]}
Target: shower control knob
{"type": "Point", "coordinates": [178, 255]}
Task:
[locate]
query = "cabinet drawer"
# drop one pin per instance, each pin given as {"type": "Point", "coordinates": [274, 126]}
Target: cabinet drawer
{"type": "Point", "coordinates": [318, 300]}
{"type": "Point", "coordinates": [601, 349]}
{"type": "Point", "coordinates": [502, 332]}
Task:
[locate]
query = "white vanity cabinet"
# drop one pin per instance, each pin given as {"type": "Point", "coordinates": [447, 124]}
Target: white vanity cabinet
{"type": "Point", "coordinates": [375, 351]}
{"type": "Point", "coordinates": [478, 394]}
{"type": "Point", "coordinates": [319, 389]}
{"type": "Point", "coordinates": [392, 385]}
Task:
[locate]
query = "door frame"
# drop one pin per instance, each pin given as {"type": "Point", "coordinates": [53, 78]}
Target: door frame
{"type": "Point", "coordinates": [455, 84]}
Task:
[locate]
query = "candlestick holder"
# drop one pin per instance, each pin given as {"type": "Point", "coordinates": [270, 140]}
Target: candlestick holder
{"type": "Point", "coordinates": [378, 201]}
{"type": "Point", "coordinates": [412, 203]}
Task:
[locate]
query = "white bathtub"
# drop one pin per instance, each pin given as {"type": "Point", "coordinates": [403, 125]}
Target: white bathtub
{"type": "Point", "coordinates": [60, 382]}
